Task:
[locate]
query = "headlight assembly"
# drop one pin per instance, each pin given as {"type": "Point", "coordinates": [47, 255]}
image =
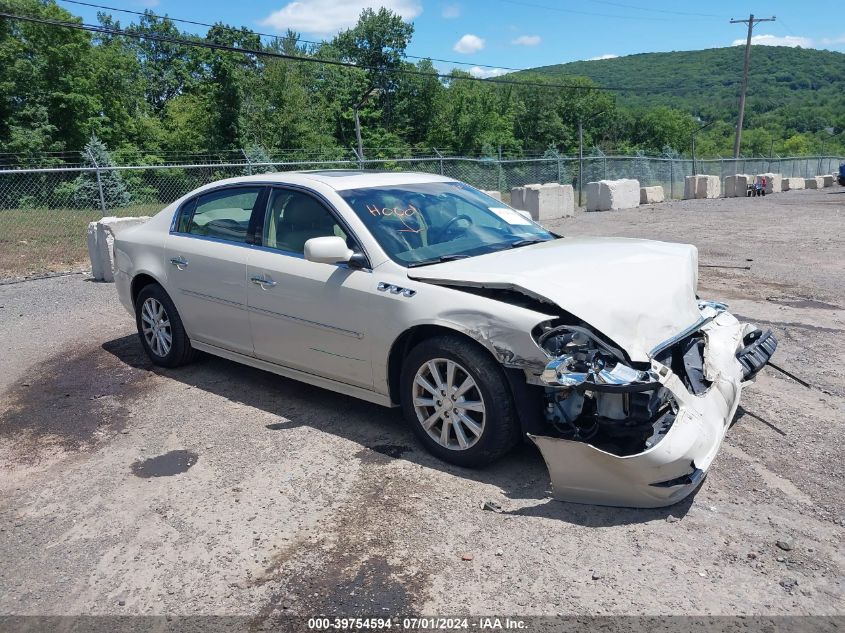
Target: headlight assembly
{"type": "Point", "coordinates": [580, 358]}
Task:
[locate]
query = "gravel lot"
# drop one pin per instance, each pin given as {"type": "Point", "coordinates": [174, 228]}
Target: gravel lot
{"type": "Point", "coordinates": [294, 500]}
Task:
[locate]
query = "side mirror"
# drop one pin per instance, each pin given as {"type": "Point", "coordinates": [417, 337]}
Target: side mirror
{"type": "Point", "coordinates": [327, 250]}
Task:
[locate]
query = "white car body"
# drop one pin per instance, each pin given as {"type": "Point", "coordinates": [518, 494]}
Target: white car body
{"type": "Point", "coordinates": [344, 328]}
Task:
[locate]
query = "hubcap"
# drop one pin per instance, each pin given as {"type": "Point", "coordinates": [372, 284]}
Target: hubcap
{"type": "Point", "coordinates": [448, 404]}
{"type": "Point", "coordinates": [155, 324]}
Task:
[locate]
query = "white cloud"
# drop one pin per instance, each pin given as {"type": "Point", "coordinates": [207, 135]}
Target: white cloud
{"type": "Point", "coordinates": [527, 40]}
{"type": "Point", "coordinates": [327, 17]}
{"type": "Point", "coordinates": [605, 56]}
{"type": "Point", "coordinates": [451, 11]}
{"type": "Point", "coordinates": [832, 41]}
{"type": "Point", "coordinates": [469, 43]}
{"type": "Point", "coordinates": [775, 40]}
{"type": "Point", "coordinates": [486, 73]}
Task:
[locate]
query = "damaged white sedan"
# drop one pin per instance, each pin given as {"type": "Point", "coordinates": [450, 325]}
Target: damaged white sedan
{"type": "Point", "coordinates": [420, 291]}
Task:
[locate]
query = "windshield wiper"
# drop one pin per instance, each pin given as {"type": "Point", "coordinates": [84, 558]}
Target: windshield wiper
{"type": "Point", "coordinates": [439, 260]}
{"type": "Point", "coordinates": [527, 242]}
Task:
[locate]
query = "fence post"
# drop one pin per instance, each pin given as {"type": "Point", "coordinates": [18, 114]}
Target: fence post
{"type": "Point", "coordinates": [248, 162]}
{"type": "Point", "coordinates": [559, 174]}
{"type": "Point", "coordinates": [99, 183]}
{"type": "Point", "coordinates": [440, 156]}
{"type": "Point", "coordinates": [671, 177]}
{"type": "Point", "coordinates": [501, 181]}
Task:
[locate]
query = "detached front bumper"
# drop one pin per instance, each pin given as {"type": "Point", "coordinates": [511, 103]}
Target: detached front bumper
{"type": "Point", "coordinates": [671, 469]}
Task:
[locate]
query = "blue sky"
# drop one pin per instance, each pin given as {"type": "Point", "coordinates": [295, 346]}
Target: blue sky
{"type": "Point", "coordinates": [525, 33]}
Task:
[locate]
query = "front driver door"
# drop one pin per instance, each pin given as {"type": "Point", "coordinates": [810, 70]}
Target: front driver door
{"type": "Point", "coordinates": [304, 315]}
{"type": "Point", "coordinates": [207, 259]}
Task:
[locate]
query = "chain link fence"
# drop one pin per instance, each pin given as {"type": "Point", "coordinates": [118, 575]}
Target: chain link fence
{"type": "Point", "coordinates": [44, 212]}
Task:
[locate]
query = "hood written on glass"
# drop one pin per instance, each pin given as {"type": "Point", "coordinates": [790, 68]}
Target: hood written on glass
{"type": "Point", "coordinates": [428, 223]}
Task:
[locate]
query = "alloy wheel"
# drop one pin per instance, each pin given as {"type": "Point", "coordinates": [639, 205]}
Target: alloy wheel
{"type": "Point", "coordinates": [155, 325]}
{"type": "Point", "coordinates": [448, 404]}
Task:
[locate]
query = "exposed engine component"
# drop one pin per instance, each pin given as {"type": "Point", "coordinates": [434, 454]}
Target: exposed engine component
{"type": "Point", "coordinates": [594, 395]}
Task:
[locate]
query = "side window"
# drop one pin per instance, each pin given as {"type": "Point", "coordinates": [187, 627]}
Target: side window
{"type": "Point", "coordinates": [292, 218]}
{"type": "Point", "coordinates": [223, 214]}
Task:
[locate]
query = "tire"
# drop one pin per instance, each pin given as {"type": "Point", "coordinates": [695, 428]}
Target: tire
{"type": "Point", "coordinates": [499, 422]}
{"type": "Point", "coordinates": [179, 351]}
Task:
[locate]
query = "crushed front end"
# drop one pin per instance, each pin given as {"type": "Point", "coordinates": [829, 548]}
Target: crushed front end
{"type": "Point", "coordinates": [643, 434]}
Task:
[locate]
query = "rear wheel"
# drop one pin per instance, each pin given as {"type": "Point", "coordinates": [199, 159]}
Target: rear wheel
{"type": "Point", "coordinates": [160, 328]}
{"type": "Point", "coordinates": [458, 402]}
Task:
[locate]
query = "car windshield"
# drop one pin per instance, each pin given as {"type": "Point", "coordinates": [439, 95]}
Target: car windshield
{"type": "Point", "coordinates": [427, 223]}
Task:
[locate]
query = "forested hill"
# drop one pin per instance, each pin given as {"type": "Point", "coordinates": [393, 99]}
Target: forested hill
{"type": "Point", "coordinates": [802, 88]}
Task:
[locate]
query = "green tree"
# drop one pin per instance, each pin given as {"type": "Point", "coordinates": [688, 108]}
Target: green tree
{"type": "Point", "coordinates": [86, 190]}
{"type": "Point", "coordinates": [46, 98]}
{"type": "Point", "coordinates": [168, 69]}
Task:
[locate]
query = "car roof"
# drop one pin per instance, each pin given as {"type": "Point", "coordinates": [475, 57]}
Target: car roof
{"type": "Point", "coordinates": [343, 179]}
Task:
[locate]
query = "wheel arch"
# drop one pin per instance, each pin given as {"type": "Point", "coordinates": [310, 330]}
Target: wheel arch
{"type": "Point", "coordinates": [411, 338]}
{"type": "Point", "coordinates": [528, 399]}
{"type": "Point", "coordinates": [139, 282]}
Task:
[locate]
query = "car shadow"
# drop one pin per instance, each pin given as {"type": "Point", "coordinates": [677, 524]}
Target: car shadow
{"type": "Point", "coordinates": [382, 434]}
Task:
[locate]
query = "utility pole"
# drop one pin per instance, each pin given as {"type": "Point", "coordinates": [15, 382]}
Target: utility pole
{"type": "Point", "coordinates": [370, 91]}
{"type": "Point", "coordinates": [751, 21]}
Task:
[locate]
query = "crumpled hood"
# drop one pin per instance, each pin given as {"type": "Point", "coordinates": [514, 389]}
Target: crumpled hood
{"type": "Point", "coordinates": [637, 292]}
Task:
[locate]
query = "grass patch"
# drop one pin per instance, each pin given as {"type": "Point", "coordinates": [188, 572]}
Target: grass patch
{"type": "Point", "coordinates": [40, 241]}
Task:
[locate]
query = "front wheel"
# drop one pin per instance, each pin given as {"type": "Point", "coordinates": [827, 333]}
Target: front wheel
{"type": "Point", "coordinates": [458, 402]}
{"type": "Point", "coordinates": [160, 328]}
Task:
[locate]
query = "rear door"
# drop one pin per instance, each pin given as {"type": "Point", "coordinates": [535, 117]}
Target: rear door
{"type": "Point", "coordinates": [305, 315]}
{"type": "Point", "coordinates": [207, 254]}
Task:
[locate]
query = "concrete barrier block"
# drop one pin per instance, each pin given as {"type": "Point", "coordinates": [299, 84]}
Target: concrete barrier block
{"type": "Point", "coordinates": [730, 186]}
{"type": "Point", "coordinates": [607, 195]}
{"type": "Point", "coordinates": [828, 181]}
{"type": "Point", "coordinates": [94, 252]}
{"type": "Point", "coordinates": [816, 182]}
{"type": "Point", "coordinates": [494, 194]}
{"type": "Point", "coordinates": [702, 187]}
{"type": "Point", "coordinates": [792, 184]}
{"type": "Point", "coordinates": [774, 182]}
{"type": "Point", "coordinates": [518, 198]}
{"type": "Point", "coordinates": [549, 201]}
{"type": "Point", "coordinates": [737, 186]}
{"type": "Point", "coordinates": [102, 255]}
{"type": "Point", "coordinates": [592, 193]}
{"type": "Point", "coordinates": [651, 195]}
{"type": "Point", "coordinates": [708, 187]}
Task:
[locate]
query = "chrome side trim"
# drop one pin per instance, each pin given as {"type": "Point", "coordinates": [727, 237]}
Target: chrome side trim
{"type": "Point", "coordinates": [323, 326]}
{"type": "Point", "coordinates": [214, 299]}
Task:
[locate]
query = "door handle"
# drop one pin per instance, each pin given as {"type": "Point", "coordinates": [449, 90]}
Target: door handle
{"type": "Point", "coordinates": [263, 281]}
{"type": "Point", "coordinates": [180, 262]}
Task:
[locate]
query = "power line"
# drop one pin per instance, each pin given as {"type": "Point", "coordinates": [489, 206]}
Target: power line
{"type": "Point", "coordinates": [667, 11]}
{"type": "Point", "coordinates": [546, 7]}
{"type": "Point", "coordinates": [270, 35]}
{"type": "Point", "coordinates": [197, 43]}
{"type": "Point", "coordinates": [93, 28]}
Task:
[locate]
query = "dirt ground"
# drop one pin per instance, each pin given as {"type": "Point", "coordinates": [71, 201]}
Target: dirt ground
{"type": "Point", "coordinates": [219, 489]}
